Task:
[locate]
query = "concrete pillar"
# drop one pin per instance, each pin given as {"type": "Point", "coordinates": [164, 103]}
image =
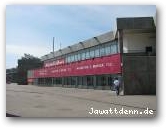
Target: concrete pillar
{"type": "Point", "coordinates": [120, 46]}
{"type": "Point", "coordinates": [120, 41]}
{"type": "Point", "coordinates": [94, 82]}
{"type": "Point", "coordinates": [52, 81]}
{"type": "Point", "coordinates": [106, 80]}
{"type": "Point", "coordinates": [79, 81]}
{"type": "Point", "coordinates": [76, 81]}
{"type": "Point", "coordinates": [107, 87]}
{"type": "Point", "coordinates": [37, 81]}
{"type": "Point", "coordinates": [84, 82]}
{"type": "Point", "coordinates": [63, 81]}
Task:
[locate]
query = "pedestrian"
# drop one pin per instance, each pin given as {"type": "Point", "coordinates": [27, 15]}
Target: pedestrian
{"type": "Point", "coordinates": [116, 84]}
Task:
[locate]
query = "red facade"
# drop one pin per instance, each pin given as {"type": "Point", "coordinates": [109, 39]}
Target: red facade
{"type": "Point", "coordinates": [104, 65]}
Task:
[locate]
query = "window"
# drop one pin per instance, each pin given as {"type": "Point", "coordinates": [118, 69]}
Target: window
{"type": "Point", "coordinates": [114, 48]}
{"type": "Point", "coordinates": [83, 55]}
{"type": "Point", "coordinates": [92, 53]}
{"type": "Point", "coordinates": [68, 58]}
{"type": "Point", "coordinates": [76, 57]}
{"type": "Point", "coordinates": [79, 56]}
{"type": "Point", "coordinates": [72, 58]}
{"type": "Point", "coordinates": [87, 54]}
{"type": "Point", "coordinates": [107, 50]}
{"type": "Point", "coordinates": [97, 52]}
{"type": "Point", "coordinates": [102, 51]}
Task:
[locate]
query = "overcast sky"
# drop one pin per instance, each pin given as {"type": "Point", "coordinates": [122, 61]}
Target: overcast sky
{"type": "Point", "coordinates": [30, 29]}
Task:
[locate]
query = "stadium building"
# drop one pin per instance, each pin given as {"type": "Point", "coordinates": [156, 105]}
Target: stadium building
{"type": "Point", "coordinates": [128, 53]}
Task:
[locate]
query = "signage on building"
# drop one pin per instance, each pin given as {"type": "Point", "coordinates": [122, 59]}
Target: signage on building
{"type": "Point", "coordinates": [54, 63]}
{"type": "Point", "coordinates": [104, 65]}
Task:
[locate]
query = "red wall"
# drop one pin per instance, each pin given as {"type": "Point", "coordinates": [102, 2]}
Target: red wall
{"type": "Point", "coordinates": [103, 65]}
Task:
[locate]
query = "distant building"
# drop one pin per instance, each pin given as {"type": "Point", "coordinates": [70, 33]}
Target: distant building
{"type": "Point", "coordinates": [128, 53]}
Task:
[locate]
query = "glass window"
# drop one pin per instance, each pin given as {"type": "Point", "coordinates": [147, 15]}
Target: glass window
{"type": "Point", "coordinates": [83, 55]}
{"type": "Point", "coordinates": [102, 51]}
{"type": "Point", "coordinates": [107, 50]}
{"type": "Point", "coordinates": [97, 52]}
{"type": "Point", "coordinates": [79, 56]}
{"type": "Point", "coordinates": [72, 58]}
{"type": "Point", "coordinates": [92, 53]}
{"type": "Point", "coordinates": [76, 57]}
{"type": "Point", "coordinates": [87, 54]}
{"type": "Point", "coordinates": [114, 48]}
{"type": "Point", "coordinates": [68, 59]}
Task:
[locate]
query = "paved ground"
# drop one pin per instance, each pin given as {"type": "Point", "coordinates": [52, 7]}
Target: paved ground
{"type": "Point", "coordinates": [34, 101]}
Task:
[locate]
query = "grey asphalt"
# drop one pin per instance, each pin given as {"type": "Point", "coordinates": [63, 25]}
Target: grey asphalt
{"type": "Point", "coordinates": [35, 101]}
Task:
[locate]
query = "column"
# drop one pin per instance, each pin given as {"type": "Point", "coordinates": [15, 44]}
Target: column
{"type": "Point", "coordinates": [52, 81]}
{"type": "Point", "coordinates": [76, 81]}
{"type": "Point", "coordinates": [94, 81]}
{"type": "Point", "coordinates": [120, 42]}
{"type": "Point", "coordinates": [63, 81]}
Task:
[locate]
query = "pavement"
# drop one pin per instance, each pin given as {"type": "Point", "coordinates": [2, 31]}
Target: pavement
{"type": "Point", "coordinates": [36, 101]}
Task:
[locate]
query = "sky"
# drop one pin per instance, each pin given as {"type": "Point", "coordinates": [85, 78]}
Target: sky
{"type": "Point", "coordinates": [30, 28]}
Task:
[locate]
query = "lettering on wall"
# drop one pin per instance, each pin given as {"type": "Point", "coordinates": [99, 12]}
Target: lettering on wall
{"type": "Point", "coordinates": [54, 63]}
{"type": "Point", "coordinates": [105, 65]}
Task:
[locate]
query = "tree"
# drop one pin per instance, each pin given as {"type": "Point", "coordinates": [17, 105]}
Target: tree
{"type": "Point", "coordinates": [26, 63]}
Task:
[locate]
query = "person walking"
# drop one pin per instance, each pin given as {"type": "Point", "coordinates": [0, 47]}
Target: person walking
{"type": "Point", "coordinates": [116, 84]}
